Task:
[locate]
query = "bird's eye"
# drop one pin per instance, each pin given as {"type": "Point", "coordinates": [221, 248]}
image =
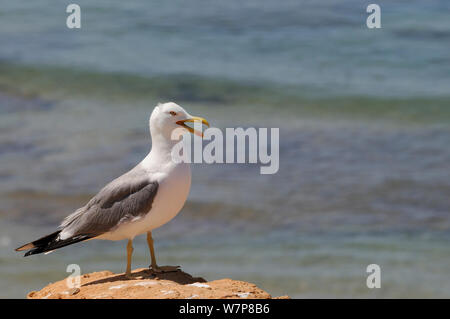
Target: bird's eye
{"type": "Point", "coordinates": [173, 113]}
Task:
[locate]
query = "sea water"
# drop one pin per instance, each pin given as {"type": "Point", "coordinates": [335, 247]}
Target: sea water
{"type": "Point", "coordinates": [364, 118]}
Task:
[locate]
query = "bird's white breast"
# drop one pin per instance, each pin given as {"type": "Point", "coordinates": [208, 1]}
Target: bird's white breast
{"type": "Point", "coordinates": [174, 182]}
{"type": "Point", "coordinates": [173, 191]}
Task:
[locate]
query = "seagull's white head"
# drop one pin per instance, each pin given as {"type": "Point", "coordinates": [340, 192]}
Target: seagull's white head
{"type": "Point", "coordinates": [169, 116]}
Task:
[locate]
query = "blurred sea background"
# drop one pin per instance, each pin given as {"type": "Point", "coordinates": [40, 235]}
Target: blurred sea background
{"type": "Point", "coordinates": [364, 118]}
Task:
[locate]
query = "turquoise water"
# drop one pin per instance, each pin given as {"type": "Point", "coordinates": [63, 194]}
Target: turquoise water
{"type": "Point", "coordinates": [323, 47]}
{"type": "Point", "coordinates": [364, 126]}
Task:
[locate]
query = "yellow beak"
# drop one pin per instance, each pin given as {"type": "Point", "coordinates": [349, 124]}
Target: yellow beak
{"type": "Point", "coordinates": [193, 119]}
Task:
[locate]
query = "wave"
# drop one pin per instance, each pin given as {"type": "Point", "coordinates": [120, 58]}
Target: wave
{"type": "Point", "coordinates": [54, 82]}
{"type": "Point", "coordinates": [46, 80]}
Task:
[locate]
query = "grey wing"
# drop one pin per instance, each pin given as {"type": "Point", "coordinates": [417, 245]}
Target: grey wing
{"type": "Point", "coordinates": [125, 198]}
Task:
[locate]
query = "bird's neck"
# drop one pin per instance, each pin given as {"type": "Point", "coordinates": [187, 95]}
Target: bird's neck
{"type": "Point", "coordinates": [162, 141]}
{"type": "Point", "coordinates": [161, 148]}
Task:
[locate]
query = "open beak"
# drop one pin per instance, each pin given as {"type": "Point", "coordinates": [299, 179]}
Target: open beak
{"type": "Point", "coordinates": [193, 119]}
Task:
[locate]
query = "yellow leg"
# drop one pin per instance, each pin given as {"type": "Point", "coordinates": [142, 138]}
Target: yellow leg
{"type": "Point", "coordinates": [129, 253]}
{"type": "Point", "coordinates": [154, 266]}
{"type": "Point", "coordinates": [152, 249]}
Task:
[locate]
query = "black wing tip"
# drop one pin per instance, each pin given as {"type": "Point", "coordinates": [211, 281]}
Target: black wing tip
{"type": "Point", "coordinates": [39, 244]}
{"type": "Point", "coordinates": [54, 243]}
{"type": "Point", "coordinates": [34, 251]}
{"type": "Point", "coordinates": [28, 253]}
{"type": "Point", "coordinates": [49, 243]}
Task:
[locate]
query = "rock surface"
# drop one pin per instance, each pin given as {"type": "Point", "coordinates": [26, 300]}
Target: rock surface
{"type": "Point", "coordinates": [145, 284]}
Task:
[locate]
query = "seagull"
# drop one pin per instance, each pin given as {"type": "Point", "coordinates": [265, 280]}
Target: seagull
{"type": "Point", "coordinates": [145, 198]}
